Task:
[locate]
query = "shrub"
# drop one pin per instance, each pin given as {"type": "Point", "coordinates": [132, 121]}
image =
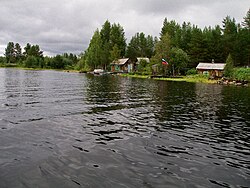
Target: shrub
{"type": "Point", "coordinates": [191, 72]}
{"type": "Point", "coordinates": [241, 74]}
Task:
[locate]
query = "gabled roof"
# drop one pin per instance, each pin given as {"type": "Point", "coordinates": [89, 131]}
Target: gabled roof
{"type": "Point", "coordinates": [120, 61]}
{"type": "Point", "coordinates": [211, 66]}
{"type": "Point", "coordinates": [125, 60]}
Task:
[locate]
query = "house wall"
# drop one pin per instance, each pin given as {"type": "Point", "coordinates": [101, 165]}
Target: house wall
{"type": "Point", "coordinates": [124, 68]}
{"type": "Point", "coordinates": [112, 68]}
{"type": "Point", "coordinates": [129, 66]}
{"type": "Point", "coordinates": [115, 68]}
{"type": "Point", "coordinates": [214, 73]}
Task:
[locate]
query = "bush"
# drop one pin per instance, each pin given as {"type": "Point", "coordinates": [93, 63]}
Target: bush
{"type": "Point", "coordinates": [241, 74]}
{"type": "Point", "coordinates": [31, 62]}
{"type": "Point", "coordinates": [191, 72]}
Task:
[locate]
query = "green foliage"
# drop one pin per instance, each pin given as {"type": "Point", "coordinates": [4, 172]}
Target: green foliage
{"type": "Point", "coordinates": [2, 61]}
{"type": "Point", "coordinates": [170, 27]}
{"type": "Point", "coordinates": [18, 53]}
{"type": "Point", "coordinates": [228, 71]}
{"type": "Point", "coordinates": [242, 47]}
{"type": "Point", "coordinates": [212, 39]}
{"type": "Point", "coordinates": [105, 46]}
{"type": "Point", "coordinates": [178, 60]}
{"type": "Point", "coordinates": [117, 36]}
{"type": "Point", "coordinates": [33, 56]}
{"type": "Point", "coordinates": [191, 72]}
{"type": "Point", "coordinates": [94, 51]}
{"type": "Point", "coordinates": [33, 50]}
{"type": "Point", "coordinates": [80, 64]}
{"type": "Point", "coordinates": [144, 67]}
{"type": "Point", "coordinates": [140, 46]}
{"type": "Point", "coordinates": [162, 50]}
{"type": "Point", "coordinates": [196, 47]}
{"type": "Point", "coordinates": [65, 61]}
{"type": "Point", "coordinates": [115, 53]}
{"type": "Point", "coordinates": [211, 43]}
{"type": "Point", "coordinates": [241, 74]}
{"type": "Point", "coordinates": [246, 22]}
{"type": "Point", "coordinates": [186, 34]}
{"type": "Point", "coordinates": [229, 37]}
{"type": "Point", "coordinates": [31, 62]}
{"type": "Point", "coordinates": [10, 53]}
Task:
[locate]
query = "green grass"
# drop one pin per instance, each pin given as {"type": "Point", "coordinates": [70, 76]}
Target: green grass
{"type": "Point", "coordinates": [190, 78]}
{"type": "Point", "coordinates": [135, 76]}
{"type": "Point", "coordinates": [36, 68]}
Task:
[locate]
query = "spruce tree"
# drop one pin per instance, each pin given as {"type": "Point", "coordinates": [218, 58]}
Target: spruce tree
{"type": "Point", "coordinates": [228, 71]}
{"type": "Point", "coordinates": [10, 52]}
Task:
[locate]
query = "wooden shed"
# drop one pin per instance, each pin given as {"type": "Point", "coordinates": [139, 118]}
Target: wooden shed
{"type": "Point", "coordinates": [212, 69]}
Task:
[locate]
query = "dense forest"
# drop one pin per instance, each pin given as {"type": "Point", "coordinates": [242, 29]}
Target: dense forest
{"type": "Point", "coordinates": [183, 46]}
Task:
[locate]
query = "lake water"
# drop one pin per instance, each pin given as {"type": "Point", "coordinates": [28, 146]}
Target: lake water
{"type": "Point", "coordinates": [62, 129]}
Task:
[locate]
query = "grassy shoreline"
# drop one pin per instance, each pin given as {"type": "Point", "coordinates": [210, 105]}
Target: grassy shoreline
{"type": "Point", "coordinates": [39, 69]}
{"type": "Point", "coordinates": [193, 78]}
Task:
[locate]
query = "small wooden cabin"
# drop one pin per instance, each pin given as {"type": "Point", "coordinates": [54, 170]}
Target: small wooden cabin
{"type": "Point", "coordinates": [121, 65]}
{"type": "Point", "coordinates": [212, 69]}
{"type": "Point", "coordinates": [126, 64]}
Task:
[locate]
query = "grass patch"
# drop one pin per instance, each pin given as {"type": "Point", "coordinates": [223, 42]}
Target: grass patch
{"type": "Point", "coordinates": [135, 76]}
{"type": "Point", "coordinates": [190, 78]}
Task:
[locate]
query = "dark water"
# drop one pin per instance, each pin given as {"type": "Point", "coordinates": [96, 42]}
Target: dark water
{"type": "Point", "coordinates": [73, 130]}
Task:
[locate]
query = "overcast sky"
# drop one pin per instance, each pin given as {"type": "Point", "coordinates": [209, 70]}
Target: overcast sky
{"type": "Point", "coordinates": [59, 26]}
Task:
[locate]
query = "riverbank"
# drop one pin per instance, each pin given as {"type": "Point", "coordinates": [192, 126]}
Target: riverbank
{"type": "Point", "coordinates": [190, 78]}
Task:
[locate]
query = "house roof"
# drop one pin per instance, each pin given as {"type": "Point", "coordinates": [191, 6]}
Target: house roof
{"type": "Point", "coordinates": [120, 61]}
{"type": "Point", "coordinates": [125, 60]}
{"type": "Point", "coordinates": [143, 58]}
{"type": "Point", "coordinates": [211, 66]}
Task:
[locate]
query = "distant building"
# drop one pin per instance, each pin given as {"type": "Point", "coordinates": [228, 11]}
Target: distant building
{"type": "Point", "coordinates": [212, 69]}
{"type": "Point", "coordinates": [126, 64]}
{"type": "Point", "coordinates": [121, 65]}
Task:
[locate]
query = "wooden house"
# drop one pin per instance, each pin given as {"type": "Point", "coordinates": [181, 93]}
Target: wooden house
{"type": "Point", "coordinates": [121, 65]}
{"type": "Point", "coordinates": [126, 64]}
{"type": "Point", "coordinates": [212, 69]}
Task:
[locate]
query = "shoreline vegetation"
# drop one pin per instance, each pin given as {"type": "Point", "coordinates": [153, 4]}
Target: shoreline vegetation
{"type": "Point", "coordinates": [197, 78]}
{"type": "Point", "coordinates": [241, 79]}
{"type": "Point", "coordinates": [172, 56]}
{"type": "Point", "coordinates": [190, 78]}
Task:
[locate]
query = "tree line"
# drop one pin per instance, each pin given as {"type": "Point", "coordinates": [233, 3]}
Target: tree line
{"type": "Point", "coordinates": [183, 46]}
{"type": "Point", "coordinates": [33, 57]}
